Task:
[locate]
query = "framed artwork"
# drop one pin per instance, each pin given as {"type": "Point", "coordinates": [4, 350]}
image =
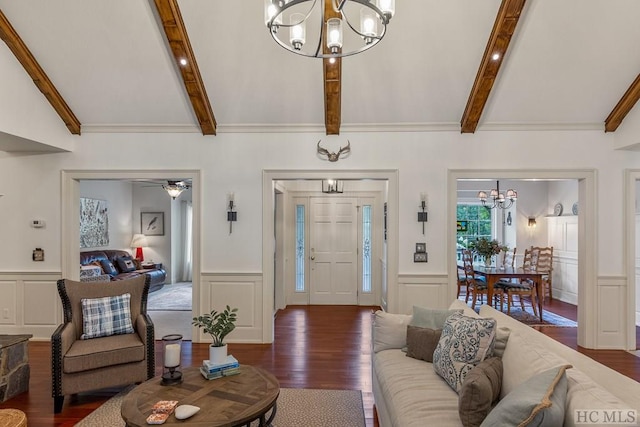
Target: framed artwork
{"type": "Point", "coordinates": [94, 223]}
{"type": "Point", "coordinates": [152, 223]}
{"type": "Point", "coordinates": [421, 247]}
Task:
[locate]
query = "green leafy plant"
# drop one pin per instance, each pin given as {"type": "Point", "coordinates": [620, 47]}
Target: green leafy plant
{"type": "Point", "coordinates": [217, 324]}
{"type": "Point", "coordinates": [486, 248]}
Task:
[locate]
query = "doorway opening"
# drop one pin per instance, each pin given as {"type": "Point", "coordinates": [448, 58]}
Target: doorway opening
{"type": "Point", "coordinates": [176, 249]}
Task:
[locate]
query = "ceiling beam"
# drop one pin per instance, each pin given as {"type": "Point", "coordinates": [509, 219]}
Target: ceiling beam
{"type": "Point", "coordinates": [623, 107]}
{"type": "Point", "coordinates": [503, 28]}
{"type": "Point", "coordinates": [176, 33]}
{"type": "Point", "coordinates": [332, 73]}
{"type": "Point", "coordinates": [22, 53]}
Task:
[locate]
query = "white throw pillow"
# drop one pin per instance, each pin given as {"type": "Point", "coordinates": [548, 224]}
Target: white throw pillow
{"type": "Point", "coordinates": [389, 330]}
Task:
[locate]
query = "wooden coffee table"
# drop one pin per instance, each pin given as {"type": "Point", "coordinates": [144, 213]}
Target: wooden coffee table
{"type": "Point", "coordinates": [230, 401]}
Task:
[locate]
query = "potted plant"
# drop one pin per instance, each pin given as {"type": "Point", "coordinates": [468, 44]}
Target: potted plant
{"type": "Point", "coordinates": [218, 325]}
{"type": "Point", "coordinates": [487, 248]}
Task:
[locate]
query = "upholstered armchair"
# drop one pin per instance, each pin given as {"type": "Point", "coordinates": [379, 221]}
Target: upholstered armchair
{"type": "Point", "coordinates": [101, 348]}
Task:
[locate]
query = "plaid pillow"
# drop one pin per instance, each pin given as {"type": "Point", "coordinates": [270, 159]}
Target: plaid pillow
{"type": "Point", "coordinates": [102, 317]}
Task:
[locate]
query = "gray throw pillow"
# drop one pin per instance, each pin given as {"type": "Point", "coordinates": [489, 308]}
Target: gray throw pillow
{"type": "Point", "coordinates": [480, 388]}
{"type": "Point", "coordinates": [422, 342]}
{"type": "Point", "coordinates": [430, 317]}
{"type": "Point", "coordinates": [502, 336]}
{"type": "Point", "coordinates": [539, 401]}
{"type": "Point", "coordinates": [465, 342]}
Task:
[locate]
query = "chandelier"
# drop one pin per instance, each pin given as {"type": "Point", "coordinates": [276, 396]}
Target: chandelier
{"type": "Point", "coordinates": [498, 199]}
{"type": "Point", "coordinates": [175, 188]}
{"type": "Point", "coordinates": [332, 22]}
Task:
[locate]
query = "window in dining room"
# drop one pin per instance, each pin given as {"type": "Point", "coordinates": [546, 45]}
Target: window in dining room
{"type": "Point", "coordinates": [473, 222]}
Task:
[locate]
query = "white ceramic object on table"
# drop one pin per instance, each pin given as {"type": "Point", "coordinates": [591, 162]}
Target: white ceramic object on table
{"type": "Point", "coordinates": [186, 411]}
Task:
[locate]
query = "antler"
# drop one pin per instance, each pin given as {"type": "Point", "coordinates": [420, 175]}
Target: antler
{"type": "Point", "coordinates": [333, 157]}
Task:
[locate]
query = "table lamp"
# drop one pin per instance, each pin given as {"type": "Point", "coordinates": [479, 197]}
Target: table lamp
{"type": "Point", "coordinates": [172, 345]}
{"type": "Point", "coordinates": [139, 241]}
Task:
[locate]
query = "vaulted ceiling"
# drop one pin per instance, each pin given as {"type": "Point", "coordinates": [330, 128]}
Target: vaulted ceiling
{"type": "Point", "coordinates": [113, 65]}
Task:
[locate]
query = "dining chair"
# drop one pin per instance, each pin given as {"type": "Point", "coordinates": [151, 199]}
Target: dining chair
{"type": "Point", "coordinates": [520, 288]}
{"type": "Point", "coordinates": [544, 265]}
{"type": "Point", "coordinates": [475, 287]}
{"type": "Point", "coordinates": [462, 282]}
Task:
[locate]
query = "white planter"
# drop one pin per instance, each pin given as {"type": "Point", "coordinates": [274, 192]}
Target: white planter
{"type": "Point", "coordinates": [217, 354]}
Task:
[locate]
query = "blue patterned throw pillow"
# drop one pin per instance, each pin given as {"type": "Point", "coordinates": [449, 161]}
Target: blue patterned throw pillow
{"type": "Point", "coordinates": [102, 317]}
{"type": "Point", "coordinates": [465, 342]}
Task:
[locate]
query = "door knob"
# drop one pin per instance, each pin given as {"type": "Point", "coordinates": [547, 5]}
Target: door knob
{"type": "Point", "coordinates": [312, 258]}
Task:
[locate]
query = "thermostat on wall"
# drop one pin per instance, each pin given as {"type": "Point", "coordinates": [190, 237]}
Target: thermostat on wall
{"type": "Point", "coordinates": [37, 223]}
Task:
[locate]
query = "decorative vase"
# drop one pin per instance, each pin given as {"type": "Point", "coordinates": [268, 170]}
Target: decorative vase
{"type": "Point", "coordinates": [217, 355]}
{"type": "Point", "coordinates": [487, 262]}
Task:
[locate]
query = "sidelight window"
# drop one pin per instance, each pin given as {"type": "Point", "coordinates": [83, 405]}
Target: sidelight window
{"type": "Point", "coordinates": [300, 253]}
{"type": "Point", "coordinates": [366, 248]}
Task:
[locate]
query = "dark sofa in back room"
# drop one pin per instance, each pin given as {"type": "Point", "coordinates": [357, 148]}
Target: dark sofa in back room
{"type": "Point", "coordinates": [121, 265]}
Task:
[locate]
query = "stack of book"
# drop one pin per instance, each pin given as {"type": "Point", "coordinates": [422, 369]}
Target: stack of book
{"type": "Point", "coordinates": [212, 371]}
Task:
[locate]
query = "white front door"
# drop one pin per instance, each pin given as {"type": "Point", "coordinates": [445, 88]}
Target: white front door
{"type": "Point", "coordinates": [333, 251]}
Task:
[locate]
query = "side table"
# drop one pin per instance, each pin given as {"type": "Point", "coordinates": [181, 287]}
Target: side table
{"type": "Point", "coordinates": [151, 266]}
{"type": "Point", "coordinates": [14, 363]}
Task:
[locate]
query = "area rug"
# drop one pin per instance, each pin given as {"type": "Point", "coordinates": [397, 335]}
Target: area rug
{"type": "Point", "coordinates": [175, 296]}
{"type": "Point", "coordinates": [171, 322]}
{"type": "Point", "coordinates": [296, 408]}
{"type": "Point", "coordinates": [548, 318]}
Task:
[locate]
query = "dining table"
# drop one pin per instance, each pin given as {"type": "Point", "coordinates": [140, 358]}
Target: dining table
{"type": "Point", "coordinates": [493, 274]}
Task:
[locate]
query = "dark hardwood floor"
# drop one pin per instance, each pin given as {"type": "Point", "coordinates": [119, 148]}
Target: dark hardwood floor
{"type": "Point", "coordinates": [315, 347]}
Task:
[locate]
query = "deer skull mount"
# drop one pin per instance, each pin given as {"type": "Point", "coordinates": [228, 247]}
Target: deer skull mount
{"type": "Point", "coordinates": [334, 157]}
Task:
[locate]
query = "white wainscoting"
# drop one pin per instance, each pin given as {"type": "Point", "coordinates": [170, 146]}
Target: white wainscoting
{"type": "Point", "coordinates": [563, 236]}
{"type": "Point", "coordinates": [430, 291]}
{"type": "Point", "coordinates": [612, 315]}
{"type": "Point", "coordinates": [29, 304]}
{"type": "Point", "coordinates": [241, 290]}
{"type": "Point", "coordinates": [637, 280]}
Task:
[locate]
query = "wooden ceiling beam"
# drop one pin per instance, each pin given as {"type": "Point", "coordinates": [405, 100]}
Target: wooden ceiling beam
{"type": "Point", "coordinates": [332, 75]}
{"type": "Point", "coordinates": [623, 106]}
{"type": "Point", "coordinates": [503, 29]}
{"type": "Point", "coordinates": [178, 39]}
{"type": "Point", "coordinates": [22, 53]}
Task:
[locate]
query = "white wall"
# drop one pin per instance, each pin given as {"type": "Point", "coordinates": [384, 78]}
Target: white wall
{"type": "Point", "coordinates": [117, 194]}
{"type": "Point", "coordinates": [154, 198]}
{"type": "Point", "coordinates": [234, 162]}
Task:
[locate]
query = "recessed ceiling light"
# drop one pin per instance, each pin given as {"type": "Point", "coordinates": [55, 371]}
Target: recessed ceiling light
{"type": "Point", "coordinates": [495, 56]}
{"type": "Point", "coordinates": [183, 61]}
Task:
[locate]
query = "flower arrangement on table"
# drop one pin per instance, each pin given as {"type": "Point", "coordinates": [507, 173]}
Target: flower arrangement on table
{"type": "Point", "coordinates": [487, 248]}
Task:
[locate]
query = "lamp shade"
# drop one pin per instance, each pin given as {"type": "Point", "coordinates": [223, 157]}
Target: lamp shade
{"type": "Point", "coordinates": [139, 241]}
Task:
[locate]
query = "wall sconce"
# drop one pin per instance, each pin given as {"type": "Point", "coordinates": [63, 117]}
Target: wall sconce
{"type": "Point", "coordinates": [532, 222]}
{"type": "Point", "coordinates": [231, 215]}
{"type": "Point", "coordinates": [509, 219]}
{"type": "Point", "coordinates": [422, 216]}
{"type": "Point", "coordinates": [139, 241]}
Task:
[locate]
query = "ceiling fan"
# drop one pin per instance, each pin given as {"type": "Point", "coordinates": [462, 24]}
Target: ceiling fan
{"type": "Point", "coordinates": [173, 187]}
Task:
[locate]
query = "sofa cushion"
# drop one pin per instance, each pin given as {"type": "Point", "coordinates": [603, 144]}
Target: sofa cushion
{"type": "Point", "coordinates": [422, 342]}
{"type": "Point", "coordinates": [539, 401]}
{"type": "Point", "coordinates": [100, 352]}
{"type": "Point", "coordinates": [480, 388]}
{"type": "Point", "coordinates": [430, 317]}
{"type": "Point", "coordinates": [108, 267]}
{"type": "Point", "coordinates": [502, 337]}
{"type": "Point", "coordinates": [465, 342]}
{"type": "Point", "coordinates": [413, 393]}
{"type": "Point", "coordinates": [125, 264]}
{"type": "Point", "coordinates": [522, 359]}
{"type": "Point", "coordinates": [389, 330]}
{"type": "Point", "coordinates": [106, 316]}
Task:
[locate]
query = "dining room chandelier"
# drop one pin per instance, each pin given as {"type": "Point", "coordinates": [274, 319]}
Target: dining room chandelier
{"type": "Point", "coordinates": [496, 199]}
{"type": "Point", "coordinates": [332, 24]}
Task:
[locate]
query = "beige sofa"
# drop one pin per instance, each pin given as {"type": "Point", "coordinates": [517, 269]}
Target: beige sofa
{"type": "Point", "coordinates": [408, 392]}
